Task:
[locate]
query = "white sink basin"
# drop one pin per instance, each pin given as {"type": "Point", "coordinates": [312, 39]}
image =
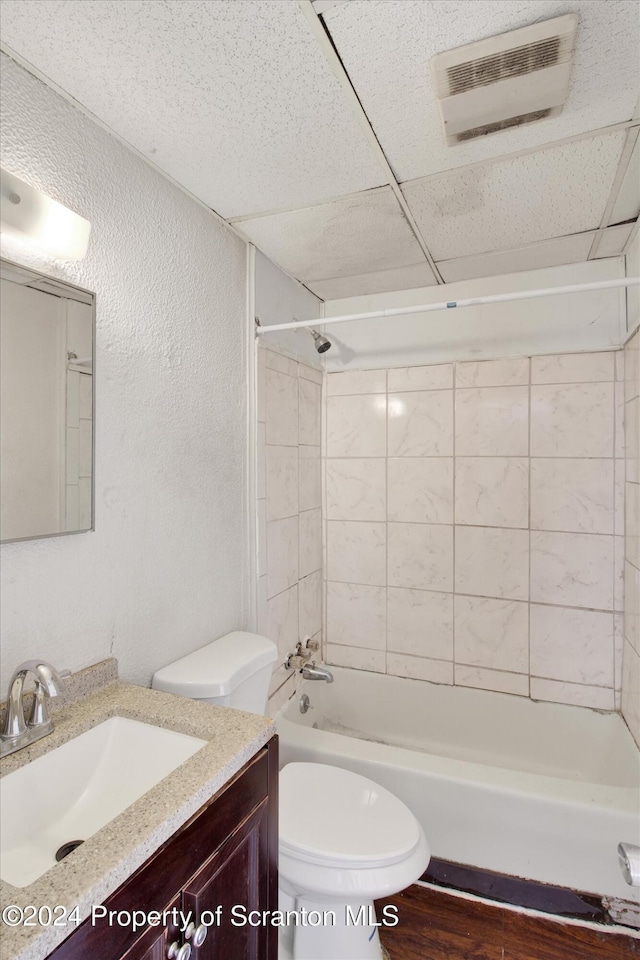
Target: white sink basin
{"type": "Point", "coordinates": [73, 791]}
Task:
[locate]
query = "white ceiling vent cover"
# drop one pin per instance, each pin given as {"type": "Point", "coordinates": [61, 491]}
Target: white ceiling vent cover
{"type": "Point", "coordinates": [505, 81]}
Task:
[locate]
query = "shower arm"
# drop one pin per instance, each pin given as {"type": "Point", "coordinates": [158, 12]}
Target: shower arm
{"type": "Point", "coordinates": [450, 304]}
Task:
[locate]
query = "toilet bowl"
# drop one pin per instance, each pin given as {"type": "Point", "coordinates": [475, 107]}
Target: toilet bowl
{"type": "Point", "coordinates": [345, 841]}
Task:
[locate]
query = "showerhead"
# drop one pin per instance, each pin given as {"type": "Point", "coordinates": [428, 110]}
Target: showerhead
{"type": "Point", "coordinates": [321, 343]}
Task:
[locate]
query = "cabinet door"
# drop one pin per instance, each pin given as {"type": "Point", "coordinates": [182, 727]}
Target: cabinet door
{"type": "Point", "coordinates": [231, 885]}
{"type": "Point", "coordinates": [154, 942]}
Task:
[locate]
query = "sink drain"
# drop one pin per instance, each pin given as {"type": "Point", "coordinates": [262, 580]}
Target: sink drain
{"type": "Point", "coordinates": [67, 848]}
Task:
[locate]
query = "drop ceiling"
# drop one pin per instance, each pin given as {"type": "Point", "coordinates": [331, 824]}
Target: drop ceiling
{"type": "Point", "coordinates": [313, 128]}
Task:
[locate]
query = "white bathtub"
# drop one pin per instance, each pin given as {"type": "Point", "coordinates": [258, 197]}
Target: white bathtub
{"type": "Point", "coordinates": [535, 790]}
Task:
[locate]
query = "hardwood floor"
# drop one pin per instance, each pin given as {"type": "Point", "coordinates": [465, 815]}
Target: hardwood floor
{"type": "Point", "coordinates": [437, 926]}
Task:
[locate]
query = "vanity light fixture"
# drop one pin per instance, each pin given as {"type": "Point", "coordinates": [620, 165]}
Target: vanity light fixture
{"type": "Point", "coordinates": [29, 215]}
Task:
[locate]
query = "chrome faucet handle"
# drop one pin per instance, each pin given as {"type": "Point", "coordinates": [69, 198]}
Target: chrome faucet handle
{"type": "Point", "coordinates": [39, 710]}
{"type": "Point", "coordinates": [48, 684]}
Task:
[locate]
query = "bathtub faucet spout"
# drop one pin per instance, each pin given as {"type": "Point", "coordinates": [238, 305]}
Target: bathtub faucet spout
{"type": "Point", "coordinates": [311, 672]}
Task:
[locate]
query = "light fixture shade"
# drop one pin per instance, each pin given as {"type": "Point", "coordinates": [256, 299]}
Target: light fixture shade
{"type": "Point", "coordinates": [32, 216]}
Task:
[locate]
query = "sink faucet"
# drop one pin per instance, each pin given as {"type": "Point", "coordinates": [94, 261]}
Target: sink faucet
{"type": "Point", "coordinates": [18, 732]}
{"type": "Point", "coordinates": [311, 672]}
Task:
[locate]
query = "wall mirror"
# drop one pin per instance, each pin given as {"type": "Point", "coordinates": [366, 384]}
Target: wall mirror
{"type": "Point", "coordinates": [47, 352]}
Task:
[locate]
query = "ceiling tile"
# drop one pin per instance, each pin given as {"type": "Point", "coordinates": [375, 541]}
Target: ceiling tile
{"type": "Point", "coordinates": [548, 253]}
{"type": "Point", "coordinates": [627, 205]}
{"type": "Point", "coordinates": [401, 278]}
{"type": "Point", "coordinates": [360, 234]}
{"type": "Point", "coordinates": [510, 203]}
{"type": "Point", "coordinates": [386, 49]}
{"type": "Point", "coordinates": [235, 101]}
{"type": "Point", "coordinates": [612, 240]}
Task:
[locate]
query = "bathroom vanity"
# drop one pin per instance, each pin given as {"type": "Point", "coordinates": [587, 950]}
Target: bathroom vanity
{"type": "Point", "coordinates": [203, 838]}
{"type": "Point", "coordinates": [224, 857]}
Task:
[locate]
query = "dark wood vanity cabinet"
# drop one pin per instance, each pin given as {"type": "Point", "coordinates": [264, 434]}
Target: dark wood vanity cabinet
{"type": "Point", "coordinates": [225, 857]}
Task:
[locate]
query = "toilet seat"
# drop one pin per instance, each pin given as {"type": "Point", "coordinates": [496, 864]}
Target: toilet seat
{"type": "Point", "coordinates": [338, 819]}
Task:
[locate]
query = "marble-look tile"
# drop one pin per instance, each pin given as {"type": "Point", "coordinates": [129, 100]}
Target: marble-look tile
{"type": "Point", "coordinates": [356, 489]}
{"type": "Point", "coordinates": [310, 478]}
{"type": "Point", "coordinates": [632, 367]}
{"type": "Point", "coordinates": [497, 680]}
{"type": "Point", "coordinates": [85, 448]}
{"type": "Point", "coordinates": [492, 633]}
{"type": "Point", "coordinates": [420, 623]}
{"type": "Point", "coordinates": [282, 482]}
{"type": "Point", "coordinates": [277, 361]}
{"type": "Point", "coordinates": [356, 381]}
{"type": "Point", "coordinates": [619, 365]}
{"type": "Point", "coordinates": [435, 377]}
{"type": "Point", "coordinates": [261, 533]}
{"type": "Point", "coordinates": [575, 496]}
{"type": "Point", "coordinates": [357, 658]}
{"type": "Point", "coordinates": [632, 606]}
{"type": "Point", "coordinates": [282, 621]}
{"type": "Point", "coordinates": [310, 605]}
{"type": "Point", "coordinates": [573, 368]}
{"type": "Point", "coordinates": [493, 373]}
{"type": "Point", "coordinates": [309, 373]}
{"type": "Point", "coordinates": [281, 696]}
{"type": "Point", "coordinates": [632, 523]}
{"type": "Point", "coordinates": [618, 497]}
{"type": "Point", "coordinates": [309, 412]}
{"type": "Point", "coordinates": [574, 420]}
{"type": "Point", "coordinates": [420, 489]}
{"type": "Point", "coordinates": [356, 615]}
{"type": "Point", "coordinates": [419, 668]}
{"type": "Point", "coordinates": [356, 426]}
{"type": "Point", "coordinates": [282, 555]}
{"type": "Point", "coordinates": [492, 491]}
{"type": "Point", "coordinates": [421, 424]}
{"type": "Point", "coordinates": [72, 507]}
{"type": "Point", "coordinates": [618, 574]}
{"type": "Point", "coordinates": [559, 691]}
{"type": "Point", "coordinates": [618, 648]}
{"type": "Point", "coordinates": [572, 645]}
{"type": "Point", "coordinates": [356, 552]}
{"type": "Point", "coordinates": [261, 461]}
{"type": "Point", "coordinates": [420, 556]}
{"type": "Point", "coordinates": [491, 562]}
{"type": "Point", "coordinates": [572, 569]}
{"type": "Point", "coordinates": [261, 384]}
{"type": "Point", "coordinates": [262, 605]}
{"type": "Point", "coordinates": [85, 396]}
{"type": "Point", "coordinates": [618, 445]}
{"type": "Point", "coordinates": [310, 558]}
{"type": "Point", "coordinates": [282, 409]}
{"type": "Point", "coordinates": [492, 422]}
{"type": "Point", "coordinates": [632, 439]}
{"type": "Point", "coordinates": [84, 503]}
{"type": "Point", "coordinates": [631, 691]}
{"type": "Point", "coordinates": [73, 398]}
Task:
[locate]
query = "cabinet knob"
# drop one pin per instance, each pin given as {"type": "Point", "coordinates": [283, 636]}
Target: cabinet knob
{"type": "Point", "coordinates": [177, 952]}
{"type": "Point", "coordinates": [200, 935]}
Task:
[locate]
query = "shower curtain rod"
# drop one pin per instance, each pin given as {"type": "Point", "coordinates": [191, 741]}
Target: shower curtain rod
{"type": "Point", "coordinates": [450, 304]}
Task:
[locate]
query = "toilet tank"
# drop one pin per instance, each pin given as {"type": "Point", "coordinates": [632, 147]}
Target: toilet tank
{"type": "Point", "coordinates": [233, 671]}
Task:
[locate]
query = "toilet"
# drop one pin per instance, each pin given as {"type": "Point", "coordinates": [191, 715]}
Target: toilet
{"type": "Point", "coordinates": [345, 841]}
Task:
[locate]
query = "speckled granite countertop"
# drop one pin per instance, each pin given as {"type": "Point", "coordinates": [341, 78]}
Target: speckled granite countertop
{"type": "Point", "coordinates": [105, 860]}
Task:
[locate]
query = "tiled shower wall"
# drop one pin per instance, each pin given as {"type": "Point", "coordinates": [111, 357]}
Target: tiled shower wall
{"type": "Point", "coordinates": [474, 524]}
{"type": "Point", "coordinates": [631, 658]}
{"type": "Point", "coordinates": [289, 405]}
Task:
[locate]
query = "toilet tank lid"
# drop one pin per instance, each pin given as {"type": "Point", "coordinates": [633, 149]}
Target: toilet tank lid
{"type": "Point", "coordinates": [216, 669]}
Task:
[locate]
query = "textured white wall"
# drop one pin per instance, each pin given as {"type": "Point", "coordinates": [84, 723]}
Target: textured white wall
{"type": "Point", "coordinates": [166, 568]}
{"type": "Point", "coordinates": [562, 324]}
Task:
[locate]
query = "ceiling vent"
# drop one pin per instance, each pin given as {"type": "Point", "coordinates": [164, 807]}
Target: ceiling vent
{"type": "Point", "coordinates": [505, 81]}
